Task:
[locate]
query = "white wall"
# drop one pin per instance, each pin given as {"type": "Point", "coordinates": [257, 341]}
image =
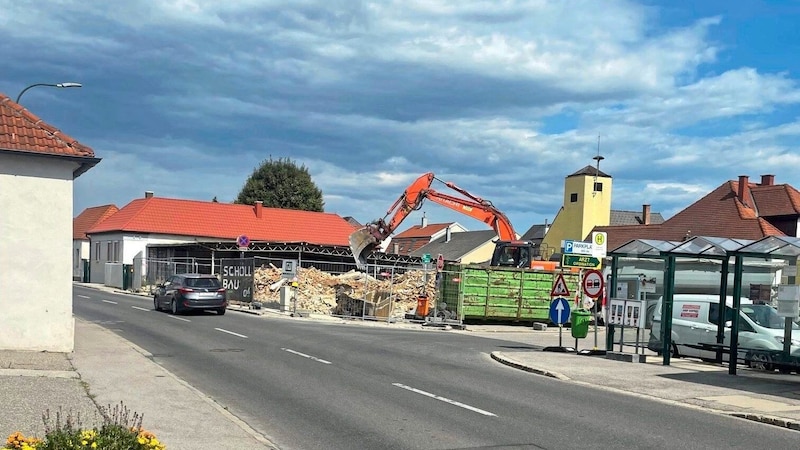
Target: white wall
{"type": "Point", "coordinates": [80, 251]}
{"type": "Point", "coordinates": [36, 253]}
{"type": "Point", "coordinates": [129, 246]}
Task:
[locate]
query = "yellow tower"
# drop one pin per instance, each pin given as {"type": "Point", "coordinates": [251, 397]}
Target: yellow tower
{"type": "Point", "coordinates": [587, 204]}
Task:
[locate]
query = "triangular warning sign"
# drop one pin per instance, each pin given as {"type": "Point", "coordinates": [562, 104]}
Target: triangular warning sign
{"type": "Point", "coordinates": [560, 287]}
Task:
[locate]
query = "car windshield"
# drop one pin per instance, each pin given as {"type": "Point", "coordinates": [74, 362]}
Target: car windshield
{"type": "Point", "coordinates": [765, 316]}
{"type": "Point", "coordinates": [202, 282]}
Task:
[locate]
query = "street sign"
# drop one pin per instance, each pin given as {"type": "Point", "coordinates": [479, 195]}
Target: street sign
{"type": "Point", "coordinates": [582, 261]}
{"type": "Point", "coordinates": [600, 245]}
{"type": "Point", "coordinates": [237, 278]}
{"type": "Point", "coordinates": [578, 247]}
{"type": "Point", "coordinates": [440, 262]}
{"type": "Point", "coordinates": [593, 283]}
{"type": "Point", "coordinates": [559, 287]}
{"type": "Point", "coordinates": [243, 242]}
{"type": "Point", "coordinates": [426, 258]}
{"type": "Point", "coordinates": [559, 311]}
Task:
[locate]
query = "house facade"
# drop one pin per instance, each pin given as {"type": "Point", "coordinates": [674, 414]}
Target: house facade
{"type": "Point", "coordinates": [87, 219]}
{"type": "Point", "coordinates": [38, 164]}
{"type": "Point", "coordinates": [414, 237]}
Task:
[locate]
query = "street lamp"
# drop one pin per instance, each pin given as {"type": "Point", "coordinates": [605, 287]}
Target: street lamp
{"type": "Point", "coordinates": [57, 85]}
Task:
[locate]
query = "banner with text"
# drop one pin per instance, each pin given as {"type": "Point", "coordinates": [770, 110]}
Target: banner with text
{"type": "Point", "coordinates": [237, 279]}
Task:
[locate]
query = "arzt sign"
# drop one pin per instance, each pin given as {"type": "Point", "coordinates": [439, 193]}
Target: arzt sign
{"type": "Point", "coordinates": [237, 279]}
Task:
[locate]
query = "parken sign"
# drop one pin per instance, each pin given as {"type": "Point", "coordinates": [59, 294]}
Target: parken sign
{"type": "Point", "coordinates": [237, 279]}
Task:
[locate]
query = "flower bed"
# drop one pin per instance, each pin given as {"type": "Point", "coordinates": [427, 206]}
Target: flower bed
{"type": "Point", "coordinates": [119, 430]}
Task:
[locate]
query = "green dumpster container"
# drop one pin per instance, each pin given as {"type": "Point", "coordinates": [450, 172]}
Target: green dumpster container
{"type": "Point", "coordinates": [580, 323]}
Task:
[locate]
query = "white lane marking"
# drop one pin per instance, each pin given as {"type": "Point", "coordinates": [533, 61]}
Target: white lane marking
{"type": "Point", "coordinates": [176, 318]}
{"type": "Point", "coordinates": [446, 400]}
{"type": "Point", "coordinates": [84, 296]}
{"type": "Point", "coordinates": [109, 301]}
{"type": "Point", "coordinates": [231, 332]}
{"type": "Point", "coordinates": [141, 309]}
{"type": "Point", "coordinates": [313, 358]}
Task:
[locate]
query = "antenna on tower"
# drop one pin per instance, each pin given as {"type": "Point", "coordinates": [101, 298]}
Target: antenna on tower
{"type": "Point", "coordinates": [597, 158]}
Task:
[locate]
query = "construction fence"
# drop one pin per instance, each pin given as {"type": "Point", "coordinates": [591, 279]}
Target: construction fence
{"type": "Point", "coordinates": [379, 292]}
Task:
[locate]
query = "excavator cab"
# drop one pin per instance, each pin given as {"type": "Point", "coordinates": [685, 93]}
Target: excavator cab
{"type": "Point", "coordinates": [512, 254]}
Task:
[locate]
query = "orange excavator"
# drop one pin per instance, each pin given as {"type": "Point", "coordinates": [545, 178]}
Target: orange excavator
{"type": "Point", "coordinates": [508, 252]}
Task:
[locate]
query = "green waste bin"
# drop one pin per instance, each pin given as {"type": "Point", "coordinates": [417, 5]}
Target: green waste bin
{"type": "Point", "coordinates": [580, 323]}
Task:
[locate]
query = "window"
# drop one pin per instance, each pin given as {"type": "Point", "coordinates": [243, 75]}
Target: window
{"type": "Point", "coordinates": [573, 197]}
{"type": "Point", "coordinates": [109, 252]}
{"type": "Point", "coordinates": [116, 251]}
{"type": "Point", "coordinates": [77, 257]}
{"type": "Point", "coordinates": [97, 251]}
{"type": "Point", "coordinates": [713, 313]}
{"type": "Point", "coordinates": [598, 187]}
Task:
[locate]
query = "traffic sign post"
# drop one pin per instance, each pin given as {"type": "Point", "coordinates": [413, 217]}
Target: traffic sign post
{"type": "Point", "coordinates": [580, 261]}
{"type": "Point", "coordinates": [559, 314]}
{"type": "Point", "coordinates": [593, 283]}
{"type": "Point", "coordinates": [440, 263]}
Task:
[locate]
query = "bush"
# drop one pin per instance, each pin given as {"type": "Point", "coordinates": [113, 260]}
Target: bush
{"type": "Point", "coordinates": [119, 430]}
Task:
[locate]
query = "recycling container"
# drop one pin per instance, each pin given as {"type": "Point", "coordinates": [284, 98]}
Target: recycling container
{"type": "Point", "coordinates": [422, 306]}
{"type": "Point", "coordinates": [580, 323]}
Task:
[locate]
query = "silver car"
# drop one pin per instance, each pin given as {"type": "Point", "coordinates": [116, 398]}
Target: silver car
{"type": "Point", "coordinates": [190, 291]}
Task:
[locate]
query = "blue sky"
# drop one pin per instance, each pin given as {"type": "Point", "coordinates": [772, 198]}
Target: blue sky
{"type": "Point", "coordinates": [503, 98]}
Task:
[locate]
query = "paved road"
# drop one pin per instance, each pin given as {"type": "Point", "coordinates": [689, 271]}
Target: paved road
{"type": "Point", "coordinates": [309, 384]}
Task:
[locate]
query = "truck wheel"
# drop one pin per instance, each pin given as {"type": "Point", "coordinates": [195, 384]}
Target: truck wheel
{"type": "Point", "coordinates": [759, 361]}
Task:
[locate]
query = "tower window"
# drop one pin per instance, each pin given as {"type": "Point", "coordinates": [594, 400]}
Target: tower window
{"type": "Point", "coordinates": [598, 187]}
{"type": "Point", "coordinates": [573, 197]}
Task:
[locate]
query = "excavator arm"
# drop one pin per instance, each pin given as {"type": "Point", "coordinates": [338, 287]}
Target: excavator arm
{"type": "Point", "coordinates": [364, 240]}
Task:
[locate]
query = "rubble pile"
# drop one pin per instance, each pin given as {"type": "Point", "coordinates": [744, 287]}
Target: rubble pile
{"type": "Point", "coordinates": [352, 293]}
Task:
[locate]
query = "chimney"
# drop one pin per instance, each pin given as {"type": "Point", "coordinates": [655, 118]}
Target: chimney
{"type": "Point", "coordinates": [742, 187]}
{"type": "Point", "coordinates": [148, 194]}
{"type": "Point", "coordinates": [259, 208]}
{"type": "Point", "coordinates": [424, 221]}
{"type": "Point", "coordinates": [767, 180]}
{"type": "Point", "coordinates": [645, 214]}
{"type": "Point", "coordinates": [447, 234]}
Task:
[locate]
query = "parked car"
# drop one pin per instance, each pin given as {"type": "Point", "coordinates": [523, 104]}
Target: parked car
{"type": "Point", "coordinates": [190, 291]}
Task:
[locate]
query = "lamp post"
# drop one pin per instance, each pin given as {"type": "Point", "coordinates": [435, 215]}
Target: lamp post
{"type": "Point", "coordinates": [56, 85]}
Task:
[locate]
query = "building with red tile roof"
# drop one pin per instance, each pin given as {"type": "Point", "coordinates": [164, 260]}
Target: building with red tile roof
{"type": "Point", "coordinates": [735, 209]}
{"type": "Point", "coordinates": [157, 221]}
{"type": "Point", "coordinates": [38, 164]}
{"type": "Point", "coordinates": [414, 237]}
{"type": "Point", "coordinates": [87, 219]}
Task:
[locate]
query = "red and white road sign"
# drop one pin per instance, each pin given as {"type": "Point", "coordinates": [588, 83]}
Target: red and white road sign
{"type": "Point", "coordinates": [593, 283]}
{"type": "Point", "coordinates": [440, 262]}
{"type": "Point", "coordinates": [560, 287]}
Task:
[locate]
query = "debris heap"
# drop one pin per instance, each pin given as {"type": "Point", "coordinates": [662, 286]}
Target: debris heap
{"type": "Point", "coordinates": [352, 293]}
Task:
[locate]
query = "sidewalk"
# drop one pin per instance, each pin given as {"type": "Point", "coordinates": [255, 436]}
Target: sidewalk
{"type": "Point", "coordinates": [105, 370]}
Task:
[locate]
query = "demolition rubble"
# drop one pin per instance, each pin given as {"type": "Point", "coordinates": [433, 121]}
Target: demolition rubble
{"type": "Point", "coordinates": [349, 294]}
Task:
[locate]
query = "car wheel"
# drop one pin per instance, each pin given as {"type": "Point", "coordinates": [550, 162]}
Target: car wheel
{"type": "Point", "coordinates": [221, 311]}
{"type": "Point", "coordinates": [155, 304]}
{"type": "Point", "coordinates": [173, 307]}
{"type": "Point", "coordinates": [759, 361]}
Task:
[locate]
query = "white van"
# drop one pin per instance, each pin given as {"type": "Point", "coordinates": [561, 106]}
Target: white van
{"type": "Point", "coordinates": [694, 322]}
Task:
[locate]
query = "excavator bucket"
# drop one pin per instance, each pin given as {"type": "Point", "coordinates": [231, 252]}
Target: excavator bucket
{"type": "Point", "coordinates": [362, 243]}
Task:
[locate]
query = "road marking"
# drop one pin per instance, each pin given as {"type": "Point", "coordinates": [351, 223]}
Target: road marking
{"type": "Point", "coordinates": [84, 296]}
{"type": "Point", "coordinates": [231, 332]}
{"type": "Point", "coordinates": [313, 358]}
{"type": "Point", "coordinates": [109, 301]}
{"type": "Point", "coordinates": [141, 309]}
{"type": "Point", "coordinates": [176, 318]}
{"type": "Point", "coordinates": [446, 400]}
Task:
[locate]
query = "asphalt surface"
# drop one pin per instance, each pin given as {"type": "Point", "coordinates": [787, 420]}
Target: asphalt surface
{"type": "Point", "coordinates": [106, 370]}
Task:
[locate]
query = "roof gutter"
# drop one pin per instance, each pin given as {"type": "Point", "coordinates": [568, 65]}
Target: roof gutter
{"type": "Point", "coordinates": [84, 162]}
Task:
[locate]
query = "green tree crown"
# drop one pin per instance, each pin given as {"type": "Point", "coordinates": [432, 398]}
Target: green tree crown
{"type": "Point", "coordinates": [282, 184]}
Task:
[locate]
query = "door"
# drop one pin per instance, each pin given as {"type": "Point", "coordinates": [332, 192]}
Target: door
{"type": "Point", "coordinates": [690, 324]}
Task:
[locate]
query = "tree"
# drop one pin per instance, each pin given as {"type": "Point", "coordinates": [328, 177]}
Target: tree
{"type": "Point", "coordinates": [282, 184]}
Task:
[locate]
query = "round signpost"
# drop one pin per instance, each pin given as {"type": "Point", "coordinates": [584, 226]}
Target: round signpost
{"type": "Point", "coordinates": [243, 242]}
{"type": "Point", "coordinates": [593, 283]}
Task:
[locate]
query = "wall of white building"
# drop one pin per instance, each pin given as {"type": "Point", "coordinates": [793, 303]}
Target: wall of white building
{"type": "Point", "coordinates": [36, 253]}
{"type": "Point", "coordinates": [116, 247]}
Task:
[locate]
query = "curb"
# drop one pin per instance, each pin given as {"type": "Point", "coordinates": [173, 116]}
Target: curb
{"type": "Point", "coordinates": [499, 357]}
{"type": "Point", "coordinates": [776, 421]}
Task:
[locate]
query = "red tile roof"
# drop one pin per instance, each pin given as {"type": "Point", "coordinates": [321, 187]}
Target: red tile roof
{"type": "Point", "coordinates": [418, 231]}
{"type": "Point", "coordinates": [20, 130]}
{"type": "Point", "coordinates": [776, 200]}
{"type": "Point", "coordinates": [89, 218]}
{"type": "Point", "coordinates": [720, 213]}
{"type": "Point", "coordinates": [227, 221]}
